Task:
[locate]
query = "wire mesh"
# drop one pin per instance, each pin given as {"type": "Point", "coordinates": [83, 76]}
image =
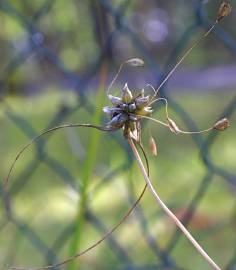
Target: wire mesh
{"type": "Point", "coordinates": [109, 21]}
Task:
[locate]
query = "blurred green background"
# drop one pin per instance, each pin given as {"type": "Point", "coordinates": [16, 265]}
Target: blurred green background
{"type": "Point", "coordinates": [67, 190]}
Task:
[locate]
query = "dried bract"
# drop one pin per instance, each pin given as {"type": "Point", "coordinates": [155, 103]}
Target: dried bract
{"type": "Point", "coordinates": [153, 146]}
{"type": "Point", "coordinates": [223, 11]}
{"type": "Point", "coordinates": [222, 124]}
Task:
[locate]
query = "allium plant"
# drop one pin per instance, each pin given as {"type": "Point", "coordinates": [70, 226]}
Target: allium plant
{"type": "Point", "coordinates": [126, 113]}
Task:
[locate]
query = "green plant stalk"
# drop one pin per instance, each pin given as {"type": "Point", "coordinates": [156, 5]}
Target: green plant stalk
{"type": "Point", "coordinates": [86, 177]}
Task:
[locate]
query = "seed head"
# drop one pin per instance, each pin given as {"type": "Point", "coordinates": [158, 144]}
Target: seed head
{"type": "Point", "coordinates": [126, 112]}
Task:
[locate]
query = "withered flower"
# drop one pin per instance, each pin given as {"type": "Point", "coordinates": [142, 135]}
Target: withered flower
{"type": "Point", "coordinates": [127, 112]}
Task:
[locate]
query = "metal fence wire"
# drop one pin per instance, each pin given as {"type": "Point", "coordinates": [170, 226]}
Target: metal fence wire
{"type": "Point", "coordinates": [37, 40]}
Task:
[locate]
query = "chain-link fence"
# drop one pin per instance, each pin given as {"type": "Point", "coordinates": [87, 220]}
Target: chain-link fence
{"type": "Point", "coordinates": [36, 46]}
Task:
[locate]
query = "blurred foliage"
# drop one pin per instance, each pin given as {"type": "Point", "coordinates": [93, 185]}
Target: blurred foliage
{"type": "Point", "coordinates": [76, 32]}
{"type": "Point", "coordinates": [48, 205]}
{"type": "Point", "coordinates": [55, 55]}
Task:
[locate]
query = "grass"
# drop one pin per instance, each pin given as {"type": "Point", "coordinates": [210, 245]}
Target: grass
{"type": "Point", "coordinates": [48, 204]}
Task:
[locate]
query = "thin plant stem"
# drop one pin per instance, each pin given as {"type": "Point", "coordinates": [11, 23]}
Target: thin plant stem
{"type": "Point", "coordinates": [114, 79]}
{"type": "Point", "coordinates": [181, 131]}
{"type": "Point", "coordinates": [110, 231]}
{"type": "Point", "coordinates": [167, 210]}
{"type": "Point", "coordinates": [104, 237]}
{"type": "Point", "coordinates": [183, 58]}
{"type": "Point", "coordinates": [155, 120]}
{"type": "Point", "coordinates": [5, 183]}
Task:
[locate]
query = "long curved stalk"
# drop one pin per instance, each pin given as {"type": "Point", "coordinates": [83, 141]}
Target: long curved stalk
{"type": "Point", "coordinates": [110, 231]}
{"type": "Point", "coordinates": [104, 237]}
{"type": "Point", "coordinates": [168, 211]}
{"type": "Point", "coordinates": [5, 183]}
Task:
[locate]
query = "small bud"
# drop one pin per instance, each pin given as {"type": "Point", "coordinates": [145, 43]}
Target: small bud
{"type": "Point", "coordinates": [135, 62]}
{"type": "Point", "coordinates": [173, 127]}
{"type": "Point", "coordinates": [224, 11]}
{"type": "Point", "coordinates": [153, 146]}
{"type": "Point", "coordinates": [132, 107]}
{"type": "Point", "coordinates": [126, 94]}
{"type": "Point", "coordinates": [222, 124]}
{"type": "Point", "coordinates": [111, 110]}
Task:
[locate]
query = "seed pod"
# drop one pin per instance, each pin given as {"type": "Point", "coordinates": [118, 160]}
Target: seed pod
{"type": "Point", "coordinates": [126, 94]}
{"type": "Point", "coordinates": [132, 107]}
{"type": "Point", "coordinates": [135, 62]}
{"type": "Point", "coordinates": [173, 127]}
{"type": "Point", "coordinates": [224, 11]}
{"type": "Point", "coordinates": [153, 146]}
{"type": "Point", "coordinates": [222, 124]}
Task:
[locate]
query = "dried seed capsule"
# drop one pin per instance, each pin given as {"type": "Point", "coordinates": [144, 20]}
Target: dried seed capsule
{"type": "Point", "coordinates": [135, 62]}
{"type": "Point", "coordinates": [222, 124]}
{"type": "Point", "coordinates": [223, 11]}
{"type": "Point", "coordinates": [126, 94]}
{"type": "Point", "coordinates": [153, 146]}
{"type": "Point", "coordinates": [173, 127]}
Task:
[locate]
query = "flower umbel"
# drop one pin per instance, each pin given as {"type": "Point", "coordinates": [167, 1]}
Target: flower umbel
{"type": "Point", "coordinates": [127, 112]}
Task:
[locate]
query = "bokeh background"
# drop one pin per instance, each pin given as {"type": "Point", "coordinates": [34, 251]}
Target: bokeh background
{"type": "Point", "coordinates": [57, 58]}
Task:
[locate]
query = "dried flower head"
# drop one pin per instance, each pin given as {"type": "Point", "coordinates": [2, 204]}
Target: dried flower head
{"type": "Point", "coordinates": [127, 112]}
{"type": "Point", "coordinates": [224, 11]}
